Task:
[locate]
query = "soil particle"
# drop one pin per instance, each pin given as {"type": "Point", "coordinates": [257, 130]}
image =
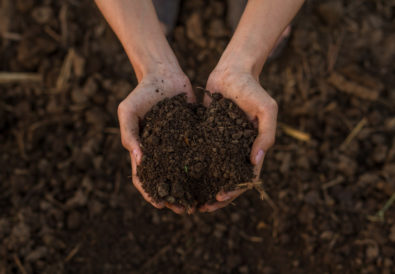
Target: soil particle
{"type": "Point", "coordinates": [192, 152]}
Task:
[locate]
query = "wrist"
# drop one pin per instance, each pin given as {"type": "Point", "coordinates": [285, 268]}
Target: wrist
{"type": "Point", "coordinates": [238, 61]}
{"type": "Point", "coordinates": [169, 77]}
{"type": "Point", "coordinates": [154, 61]}
{"type": "Point", "coordinates": [226, 76]}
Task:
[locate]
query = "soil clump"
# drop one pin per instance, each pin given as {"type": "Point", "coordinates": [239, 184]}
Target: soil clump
{"type": "Point", "coordinates": [192, 152]}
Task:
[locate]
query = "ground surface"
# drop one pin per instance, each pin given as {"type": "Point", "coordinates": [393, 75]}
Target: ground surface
{"type": "Point", "coordinates": [66, 201]}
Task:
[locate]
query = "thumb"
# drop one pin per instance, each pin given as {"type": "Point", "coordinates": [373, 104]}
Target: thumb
{"type": "Point", "coordinates": [265, 139]}
{"type": "Point", "coordinates": [129, 126]}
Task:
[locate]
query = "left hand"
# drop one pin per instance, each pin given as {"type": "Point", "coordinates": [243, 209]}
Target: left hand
{"type": "Point", "coordinates": [152, 88]}
{"type": "Point", "coordinates": [244, 89]}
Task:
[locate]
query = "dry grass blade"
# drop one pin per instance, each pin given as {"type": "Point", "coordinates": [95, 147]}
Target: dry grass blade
{"type": "Point", "coordinates": [353, 88]}
{"type": "Point", "coordinates": [295, 133]}
{"type": "Point", "coordinates": [19, 77]}
{"type": "Point", "coordinates": [334, 182]}
{"type": "Point", "coordinates": [259, 187]}
{"type": "Point", "coordinates": [354, 133]}
{"type": "Point", "coordinates": [72, 253]}
{"type": "Point", "coordinates": [249, 185]}
{"type": "Point", "coordinates": [63, 14]}
{"type": "Point", "coordinates": [254, 239]}
{"type": "Point", "coordinates": [266, 197]}
{"type": "Point", "coordinates": [65, 72]}
{"type": "Point", "coordinates": [19, 264]}
{"type": "Point", "coordinates": [12, 36]}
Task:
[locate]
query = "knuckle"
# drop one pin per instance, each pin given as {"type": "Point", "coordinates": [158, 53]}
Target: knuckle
{"type": "Point", "coordinates": [126, 143]}
{"type": "Point", "coordinates": [269, 106]}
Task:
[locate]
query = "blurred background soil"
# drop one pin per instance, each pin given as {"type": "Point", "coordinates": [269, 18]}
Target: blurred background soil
{"type": "Point", "coordinates": [67, 204]}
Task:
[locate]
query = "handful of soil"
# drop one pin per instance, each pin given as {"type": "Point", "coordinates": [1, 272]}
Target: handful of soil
{"type": "Point", "coordinates": [192, 152]}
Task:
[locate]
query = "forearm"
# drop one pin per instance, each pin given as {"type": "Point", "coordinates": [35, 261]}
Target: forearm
{"type": "Point", "coordinates": [262, 23]}
{"type": "Point", "coordinates": [138, 28]}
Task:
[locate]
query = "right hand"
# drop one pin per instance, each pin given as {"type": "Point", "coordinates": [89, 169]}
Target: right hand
{"type": "Point", "coordinates": [244, 89]}
{"type": "Point", "coordinates": [152, 88]}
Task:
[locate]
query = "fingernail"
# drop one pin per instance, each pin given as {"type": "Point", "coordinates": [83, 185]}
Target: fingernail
{"type": "Point", "coordinates": [259, 156]}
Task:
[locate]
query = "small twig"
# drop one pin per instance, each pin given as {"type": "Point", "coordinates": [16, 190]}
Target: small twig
{"type": "Point", "coordinates": [19, 264]}
{"type": "Point", "coordinates": [63, 23]}
{"type": "Point", "coordinates": [354, 133]}
{"type": "Point", "coordinates": [19, 77]}
{"type": "Point", "coordinates": [249, 185]}
{"type": "Point", "coordinates": [72, 253]}
{"type": "Point", "coordinates": [334, 182]}
{"type": "Point", "coordinates": [266, 197]}
{"type": "Point", "coordinates": [12, 36]}
{"type": "Point", "coordinates": [295, 133]}
{"type": "Point", "coordinates": [254, 239]}
{"type": "Point", "coordinates": [65, 71]}
{"type": "Point", "coordinates": [52, 33]}
{"type": "Point", "coordinates": [258, 186]}
{"type": "Point", "coordinates": [342, 84]}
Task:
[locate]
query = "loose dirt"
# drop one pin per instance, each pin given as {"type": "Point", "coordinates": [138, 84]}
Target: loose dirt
{"type": "Point", "coordinates": [192, 152]}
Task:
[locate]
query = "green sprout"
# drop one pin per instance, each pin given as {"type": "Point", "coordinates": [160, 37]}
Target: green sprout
{"type": "Point", "coordinates": [379, 217]}
{"type": "Point", "coordinates": [186, 169]}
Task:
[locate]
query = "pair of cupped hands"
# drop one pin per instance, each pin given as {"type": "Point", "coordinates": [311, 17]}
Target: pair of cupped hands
{"type": "Point", "coordinates": [240, 86]}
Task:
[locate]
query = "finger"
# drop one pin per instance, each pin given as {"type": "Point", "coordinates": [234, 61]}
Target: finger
{"type": "Point", "coordinates": [191, 98]}
{"type": "Point", "coordinates": [258, 166]}
{"type": "Point", "coordinates": [176, 209]}
{"type": "Point", "coordinates": [225, 196]}
{"type": "Point", "coordinates": [207, 99]}
{"type": "Point", "coordinates": [215, 206]}
{"type": "Point", "coordinates": [138, 185]}
{"type": "Point", "coordinates": [267, 119]}
{"type": "Point", "coordinates": [129, 126]}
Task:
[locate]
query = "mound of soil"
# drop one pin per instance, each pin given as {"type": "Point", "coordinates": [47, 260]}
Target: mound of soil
{"type": "Point", "coordinates": [192, 152]}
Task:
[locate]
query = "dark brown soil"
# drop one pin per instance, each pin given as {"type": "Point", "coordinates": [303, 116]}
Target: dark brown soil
{"type": "Point", "coordinates": [67, 203]}
{"type": "Point", "coordinates": [192, 152]}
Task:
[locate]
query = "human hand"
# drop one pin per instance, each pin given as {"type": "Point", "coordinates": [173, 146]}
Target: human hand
{"type": "Point", "coordinates": [244, 89]}
{"type": "Point", "coordinates": [152, 88]}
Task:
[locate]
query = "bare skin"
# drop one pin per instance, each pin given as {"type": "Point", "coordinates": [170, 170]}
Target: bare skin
{"type": "Point", "coordinates": [236, 75]}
